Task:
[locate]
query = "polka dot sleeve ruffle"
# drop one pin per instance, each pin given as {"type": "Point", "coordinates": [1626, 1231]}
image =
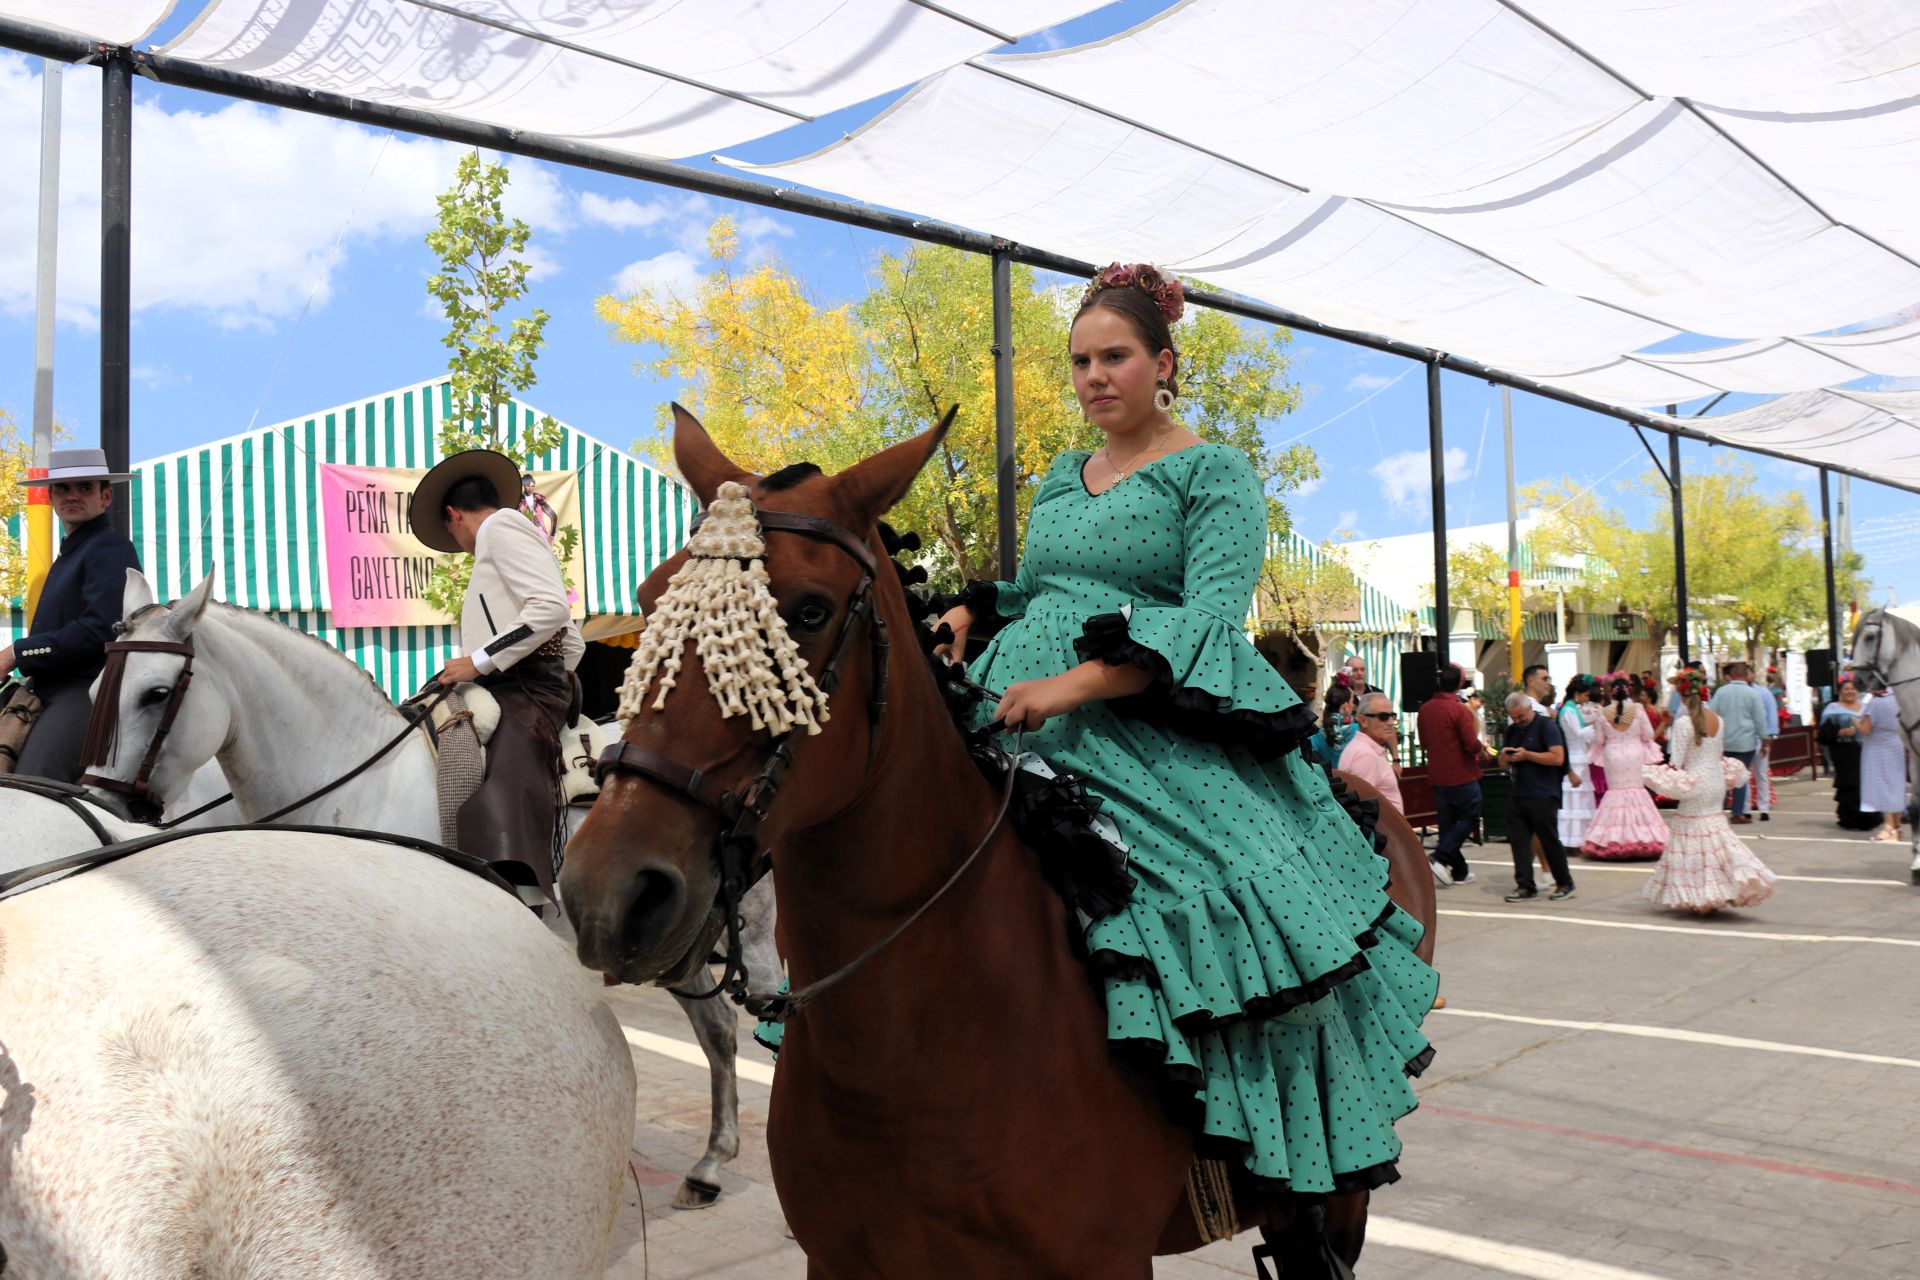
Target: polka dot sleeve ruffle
{"type": "Point", "coordinates": [1209, 681]}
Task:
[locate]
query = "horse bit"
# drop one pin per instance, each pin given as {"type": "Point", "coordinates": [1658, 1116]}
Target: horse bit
{"type": "Point", "coordinates": [744, 811]}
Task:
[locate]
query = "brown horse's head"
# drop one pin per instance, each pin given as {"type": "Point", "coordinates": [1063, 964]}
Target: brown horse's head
{"type": "Point", "coordinates": [642, 875]}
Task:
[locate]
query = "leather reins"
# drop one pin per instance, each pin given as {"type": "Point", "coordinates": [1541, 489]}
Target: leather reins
{"type": "Point", "coordinates": [742, 812]}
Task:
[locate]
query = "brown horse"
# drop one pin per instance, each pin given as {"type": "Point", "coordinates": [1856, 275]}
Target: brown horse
{"type": "Point", "coordinates": [952, 1109]}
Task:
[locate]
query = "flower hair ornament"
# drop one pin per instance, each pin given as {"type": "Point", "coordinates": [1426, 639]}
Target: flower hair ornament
{"type": "Point", "coordinates": [1688, 682]}
{"type": "Point", "coordinates": [1165, 290]}
{"type": "Point", "coordinates": [721, 602]}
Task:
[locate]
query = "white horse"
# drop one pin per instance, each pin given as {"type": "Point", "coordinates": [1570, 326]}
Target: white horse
{"type": "Point", "coordinates": [1887, 647]}
{"type": "Point", "coordinates": [266, 1054]}
{"type": "Point", "coordinates": [284, 714]}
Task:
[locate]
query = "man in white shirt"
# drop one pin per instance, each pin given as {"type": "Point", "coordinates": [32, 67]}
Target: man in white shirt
{"type": "Point", "coordinates": [521, 647]}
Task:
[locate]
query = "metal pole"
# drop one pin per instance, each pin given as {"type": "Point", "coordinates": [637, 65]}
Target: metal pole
{"type": "Point", "coordinates": [1679, 546]}
{"type": "Point", "coordinates": [1003, 410]}
{"type": "Point", "coordinates": [1843, 533]}
{"type": "Point", "coordinates": [1826, 549]}
{"type": "Point", "coordinates": [1516, 658]}
{"type": "Point", "coordinates": [1436, 456]}
{"type": "Point", "coordinates": [116, 266]}
{"type": "Point", "coordinates": [39, 513]}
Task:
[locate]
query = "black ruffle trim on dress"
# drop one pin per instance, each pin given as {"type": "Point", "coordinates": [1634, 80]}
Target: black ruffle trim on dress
{"type": "Point", "coordinates": [1055, 818]}
{"type": "Point", "coordinates": [1107, 963]}
{"type": "Point", "coordinates": [1194, 712]}
{"type": "Point", "coordinates": [1364, 812]}
{"type": "Point", "coordinates": [982, 600]}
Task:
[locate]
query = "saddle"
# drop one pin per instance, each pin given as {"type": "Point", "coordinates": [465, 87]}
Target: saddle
{"type": "Point", "coordinates": [462, 726]}
{"type": "Point", "coordinates": [19, 708]}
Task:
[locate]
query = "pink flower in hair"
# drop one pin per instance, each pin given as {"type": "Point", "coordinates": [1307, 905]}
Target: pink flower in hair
{"type": "Point", "coordinates": [1163, 288]}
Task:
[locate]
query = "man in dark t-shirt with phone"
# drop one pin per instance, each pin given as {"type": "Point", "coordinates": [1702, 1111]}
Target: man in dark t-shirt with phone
{"type": "Point", "coordinates": [1537, 756]}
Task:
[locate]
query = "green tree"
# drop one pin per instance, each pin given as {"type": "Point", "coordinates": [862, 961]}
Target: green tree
{"type": "Point", "coordinates": [1753, 564]}
{"type": "Point", "coordinates": [778, 378]}
{"type": "Point", "coordinates": [1302, 593]}
{"type": "Point", "coordinates": [16, 456]}
{"type": "Point", "coordinates": [483, 273]}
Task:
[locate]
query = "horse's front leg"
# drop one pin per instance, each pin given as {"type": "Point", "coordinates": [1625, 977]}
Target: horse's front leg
{"type": "Point", "coordinates": [713, 1027]}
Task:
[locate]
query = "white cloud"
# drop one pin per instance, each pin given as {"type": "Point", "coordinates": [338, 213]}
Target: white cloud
{"type": "Point", "coordinates": [236, 210]}
{"type": "Point", "coordinates": [622, 213]}
{"type": "Point", "coordinates": [154, 377]}
{"type": "Point", "coordinates": [758, 226]}
{"type": "Point", "coordinates": [675, 273]}
{"type": "Point", "coordinates": [1349, 522]}
{"type": "Point", "coordinates": [1368, 382]}
{"type": "Point", "coordinates": [1405, 478]}
{"type": "Point", "coordinates": [1307, 488]}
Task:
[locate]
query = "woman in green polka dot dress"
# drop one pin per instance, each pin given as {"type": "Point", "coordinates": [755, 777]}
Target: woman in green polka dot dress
{"type": "Point", "coordinates": [1259, 964]}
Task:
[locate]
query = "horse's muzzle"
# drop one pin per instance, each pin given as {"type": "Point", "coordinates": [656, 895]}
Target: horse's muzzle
{"type": "Point", "coordinates": [639, 927]}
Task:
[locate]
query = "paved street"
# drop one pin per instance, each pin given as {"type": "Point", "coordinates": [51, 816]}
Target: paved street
{"type": "Point", "coordinates": [1620, 1093]}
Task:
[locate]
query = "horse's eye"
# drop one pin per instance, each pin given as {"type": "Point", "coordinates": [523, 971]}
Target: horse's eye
{"type": "Point", "coordinates": [155, 696]}
{"type": "Point", "coordinates": [812, 616]}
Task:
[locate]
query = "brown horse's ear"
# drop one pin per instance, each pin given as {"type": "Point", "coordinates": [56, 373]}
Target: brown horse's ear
{"type": "Point", "coordinates": [872, 486]}
{"type": "Point", "coordinates": [699, 458]}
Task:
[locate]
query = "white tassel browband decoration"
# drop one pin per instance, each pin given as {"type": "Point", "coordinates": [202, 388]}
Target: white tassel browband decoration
{"type": "Point", "coordinates": [721, 601]}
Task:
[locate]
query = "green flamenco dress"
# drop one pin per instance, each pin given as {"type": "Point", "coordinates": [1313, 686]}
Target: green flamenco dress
{"type": "Point", "coordinates": [1258, 965]}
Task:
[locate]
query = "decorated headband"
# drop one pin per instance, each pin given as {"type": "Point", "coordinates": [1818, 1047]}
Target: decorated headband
{"type": "Point", "coordinates": [1164, 289]}
{"type": "Point", "coordinates": [721, 602]}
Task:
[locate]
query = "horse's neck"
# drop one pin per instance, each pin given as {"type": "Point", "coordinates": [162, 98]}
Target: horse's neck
{"type": "Point", "coordinates": [301, 719]}
{"type": "Point", "coordinates": [998, 935]}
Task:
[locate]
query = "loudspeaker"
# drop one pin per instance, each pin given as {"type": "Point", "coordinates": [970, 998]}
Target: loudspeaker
{"type": "Point", "coordinates": [1419, 677]}
{"type": "Point", "coordinates": [1820, 667]}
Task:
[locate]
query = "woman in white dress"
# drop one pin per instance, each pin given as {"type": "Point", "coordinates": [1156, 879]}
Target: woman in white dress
{"type": "Point", "coordinates": [1577, 800]}
{"type": "Point", "coordinates": [1706, 866]}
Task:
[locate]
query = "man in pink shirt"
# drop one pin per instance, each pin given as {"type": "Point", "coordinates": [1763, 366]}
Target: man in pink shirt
{"type": "Point", "coordinates": [1370, 755]}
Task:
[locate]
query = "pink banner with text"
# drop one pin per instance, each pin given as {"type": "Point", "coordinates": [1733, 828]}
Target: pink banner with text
{"type": "Point", "coordinates": [377, 571]}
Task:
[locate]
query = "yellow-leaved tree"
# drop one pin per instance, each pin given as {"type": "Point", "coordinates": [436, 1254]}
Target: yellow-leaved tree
{"type": "Point", "coordinates": [16, 456]}
{"type": "Point", "coordinates": [777, 378]}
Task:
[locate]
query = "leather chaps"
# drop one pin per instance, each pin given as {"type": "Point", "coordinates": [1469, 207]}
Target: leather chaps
{"type": "Point", "coordinates": [516, 814]}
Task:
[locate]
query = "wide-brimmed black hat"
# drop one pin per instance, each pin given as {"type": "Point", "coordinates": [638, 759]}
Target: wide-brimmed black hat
{"type": "Point", "coordinates": [428, 510]}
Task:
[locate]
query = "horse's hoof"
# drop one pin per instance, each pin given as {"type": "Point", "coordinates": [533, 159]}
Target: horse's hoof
{"type": "Point", "coordinates": [694, 1194]}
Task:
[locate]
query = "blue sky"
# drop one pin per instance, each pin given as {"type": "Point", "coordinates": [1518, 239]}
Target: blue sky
{"type": "Point", "coordinates": [279, 269]}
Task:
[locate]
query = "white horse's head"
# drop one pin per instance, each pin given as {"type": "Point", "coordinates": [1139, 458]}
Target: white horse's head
{"type": "Point", "coordinates": [1876, 647]}
{"type": "Point", "coordinates": [131, 754]}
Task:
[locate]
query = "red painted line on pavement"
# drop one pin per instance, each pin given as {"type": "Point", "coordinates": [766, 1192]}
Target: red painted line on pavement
{"type": "Point", "coordinates": [648, 1175]}
{"type": "Point", "coordinates": [1668, 1148]}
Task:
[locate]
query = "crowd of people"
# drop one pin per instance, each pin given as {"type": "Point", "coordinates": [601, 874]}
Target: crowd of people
{"type": "Point", "coordinates": [1589, 768]}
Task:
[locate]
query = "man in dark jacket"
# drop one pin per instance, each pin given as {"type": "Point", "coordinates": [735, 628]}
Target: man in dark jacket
{"type": "Point", "coordinates": [1451, 740]}
{"type": "Point", "coordinates": [66, 647]}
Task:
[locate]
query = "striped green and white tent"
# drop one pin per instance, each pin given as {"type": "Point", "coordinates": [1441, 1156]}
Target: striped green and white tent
{"type": "Point", "coordinates": [1379, 632]}
{"type": "Point", "coordinates": [247, 509]}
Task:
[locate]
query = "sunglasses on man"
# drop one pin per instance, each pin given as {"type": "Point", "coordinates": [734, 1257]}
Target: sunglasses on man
{"type": "Point", "coordinates": [1378, 715]}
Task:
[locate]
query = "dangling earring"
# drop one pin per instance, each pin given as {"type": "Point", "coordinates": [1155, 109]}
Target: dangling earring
{"type": "Point", "coordinates": [1163, 398]}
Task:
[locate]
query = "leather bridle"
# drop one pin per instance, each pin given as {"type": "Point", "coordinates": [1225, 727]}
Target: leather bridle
{"type": "Point", "coordinates": [738, 846]}
{"type": "Point", "coordinates": [116, 655]}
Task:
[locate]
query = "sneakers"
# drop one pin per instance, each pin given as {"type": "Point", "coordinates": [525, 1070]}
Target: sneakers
{"type": "Point", "coordinates": [1560, 891]}
{"type": "Point", "coordinates": [1442, 878]}
{"type": "Point", "coordinates": [1522, 895]}
{"type": "Point", "coordinates": [1469, 878]}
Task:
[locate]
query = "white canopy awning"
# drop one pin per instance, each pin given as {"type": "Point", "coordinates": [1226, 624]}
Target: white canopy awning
{"type": "Point", "coordinates": [1569, 191]}
{"type": "Point", "coordinates": [1529, 186]}
{"type": "Point", "coordinates": [658, 80]}
{"type": "Point", "coordinates": [114, 21]}
{"type": "Point", "coordinates": [1840, 428]}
